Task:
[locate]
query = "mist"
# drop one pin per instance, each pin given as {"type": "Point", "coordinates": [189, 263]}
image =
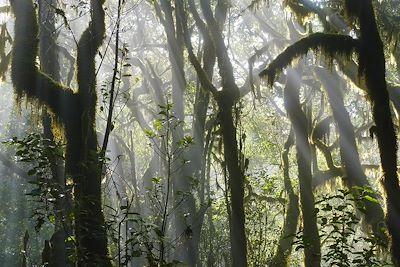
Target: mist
{"type": "Point", "coordinates": [199, 133]}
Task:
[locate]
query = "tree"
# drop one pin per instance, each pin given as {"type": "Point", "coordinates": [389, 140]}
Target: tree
{"type": "Point", "coordinates": [76, 111]}
{"type": "Point", "coordinates": [292, 214]}
{"type": "Point", "coordinates": [226, 99]}
{"type": "Point", "coordinates": [50, 65]}
{"type": "Point", "coordinates": [369, 48]}
{"type": "Point", "coordinates": [312, 249]}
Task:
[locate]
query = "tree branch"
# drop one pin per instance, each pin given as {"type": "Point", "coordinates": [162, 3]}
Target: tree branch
{"type": "Point", "coordinates": [203, 78]}
{"type": "Point", "coordinates": [329, 45]}
{"type": "Point", "coordinates": [27, 79]}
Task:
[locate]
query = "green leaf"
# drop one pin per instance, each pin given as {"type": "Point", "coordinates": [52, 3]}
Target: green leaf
{"type": "Point", "coordinates": [52, 218]}
{"type": "Point", "coordinates": [158, 124]}
{"type": "Point", "coordinates": [371, 199]}
{"type": "Point", "coordinates": [149, 133]}
{"type": "Point", "coordinates": [71, 238]}
{"type": "Point", "coordinates": [156, 179]}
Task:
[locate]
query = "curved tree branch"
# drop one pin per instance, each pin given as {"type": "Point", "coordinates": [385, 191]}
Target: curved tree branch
{"type": "Point", "coordinates": [329, 44]}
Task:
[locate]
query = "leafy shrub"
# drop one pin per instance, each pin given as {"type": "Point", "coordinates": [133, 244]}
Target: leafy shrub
{"type": "Point", "coordinates": [342, 244]}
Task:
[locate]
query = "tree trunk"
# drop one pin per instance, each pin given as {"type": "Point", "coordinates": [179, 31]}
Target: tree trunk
{"type": "Point", "coordinates": [354, 174]}
{"type": "Point", "coordinates": [50, 65]}
{"type": "Point", "coordinates": [372, 63]}
{"type": "Point", "coordinates": [77, 112]}
{"type": "Point", "coordinates": [299, 121]}
{"type": "Point", "coordinates": [292, 214]}
{"type": "Point", "coordinates": [226, 100]}
{"type": "Point", "coordinates": [86, 168]}
{"type": "Point", "coordinates": [235, 182]}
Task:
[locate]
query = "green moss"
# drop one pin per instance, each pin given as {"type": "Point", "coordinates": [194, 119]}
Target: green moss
{"type": "Point", "coordinates": [329, 45]}
{"type": "Point", "coordinates": [28, 81]}
{"type": "Point", "coordinates": [77, 113]}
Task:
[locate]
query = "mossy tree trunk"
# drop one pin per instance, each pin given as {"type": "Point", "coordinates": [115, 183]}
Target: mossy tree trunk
{"type": "Point", "coordinates": [235, 181]}
{"type": "Point", "coordinates": [49, 64]}
{"type": "Point", "coordinates": [77, 113]}
{"type": "Point", "coordinates": [312, 247]}
{"type": "Point", "coordinates": [226, 99]}
{"type": "Point", "coordinates": [292, 213]}
{"type": "Point", "coordinates": [370, 49]}
{"type": "Point", "coordinates": [372, 63]}
{"type": "Point", "coordinates": [353, 172]}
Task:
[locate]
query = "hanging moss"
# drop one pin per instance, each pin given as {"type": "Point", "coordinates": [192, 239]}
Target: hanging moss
{"type": "Point", "coordinates": [5, 57]}
{"type": "Point", "coordinates": [77, 113]}
{"type": "Point", "coordinates": [330, 45]}
{"type": "Point", "coordinates": [297, 7]}
{"type": "Point", "coordinates": [28, 81]}
{"type": "Point", "coordinates": [299, 10]}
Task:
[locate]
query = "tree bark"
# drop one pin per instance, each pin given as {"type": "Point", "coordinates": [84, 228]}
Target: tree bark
{"type": "Point", "coordinates": [372, 63]}
{"type": "Point", "coordinates": [226, 99]}
{"type": "Point", "coordinates": [353, 171]}
{"type": "Point", "coordinates": [235, 182]}
{"type": "Point", "coordinates": [292, 214]}
{"type": "Point", "coordinates": [77, 112]}
{"type": "Point", "coordinates": [312, 249]}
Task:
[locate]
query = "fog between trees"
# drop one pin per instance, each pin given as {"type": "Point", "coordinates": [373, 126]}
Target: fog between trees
{"type": "Point", "coordinates": [199, 133]}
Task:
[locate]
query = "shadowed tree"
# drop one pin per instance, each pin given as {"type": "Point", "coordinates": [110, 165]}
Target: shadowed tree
{"type": "Point", "coordinates": [76, 111]}
{"type": "Point", "coordinates": [226, 99]}
{"type": "Point", "coordinates": [49, 64]}
{"type": "Point", "coordinates": [353, 172]}
{"type": "Point", "coordinates": [369, 48]}
{"type": "Point", "coordinates": [297, 116]}
{"type": "Point", "coordinates": [292, 213]}
{"type": "Point", "coordinates": [187, 251]}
